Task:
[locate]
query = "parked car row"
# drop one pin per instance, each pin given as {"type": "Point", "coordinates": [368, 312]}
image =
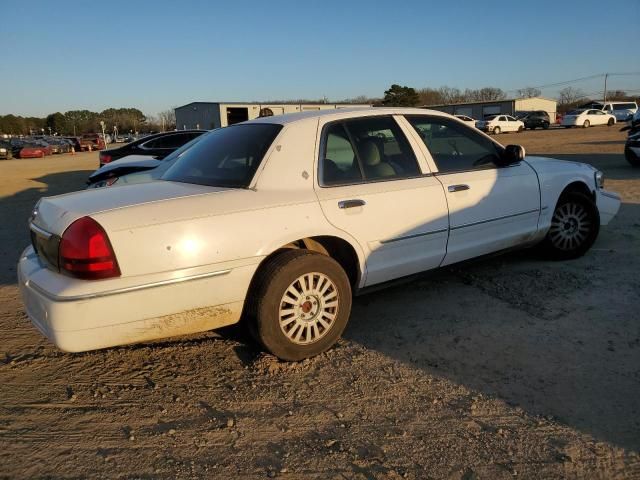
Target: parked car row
{"type": "Point", "coordinates": [622, 110]}
{"type": "Point", "coordinates": [34, 147]}
{"type": "Point", "coordinates": [585, 118]}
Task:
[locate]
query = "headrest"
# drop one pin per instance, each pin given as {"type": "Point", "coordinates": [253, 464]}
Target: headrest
{"type": "Point", "coordinates": [370, 153]}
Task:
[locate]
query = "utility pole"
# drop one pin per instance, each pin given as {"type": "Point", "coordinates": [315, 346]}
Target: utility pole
{"type": "Point", "coordinates": [605, 88]}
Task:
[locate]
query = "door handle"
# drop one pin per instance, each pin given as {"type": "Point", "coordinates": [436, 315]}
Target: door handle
{"type": "Point", "coordinates": [351, 203]}
{"type": "Point", "coordinates": [458, 188]}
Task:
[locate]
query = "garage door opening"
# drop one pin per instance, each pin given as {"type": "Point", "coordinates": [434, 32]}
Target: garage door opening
{"type": "Point", "coordinates": [237, 115]}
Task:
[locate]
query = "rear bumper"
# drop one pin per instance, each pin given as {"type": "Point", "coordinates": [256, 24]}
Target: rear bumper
{"type": "Point", "coordinates": [608, 205]}
{"type": "Point", "coordinates": [77, 323]}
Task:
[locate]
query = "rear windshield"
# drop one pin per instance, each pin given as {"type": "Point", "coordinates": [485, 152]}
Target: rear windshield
{"type": "Point", "coordinates": [575, 112]}
{"type": "Point", "coordinates": [226, 157]}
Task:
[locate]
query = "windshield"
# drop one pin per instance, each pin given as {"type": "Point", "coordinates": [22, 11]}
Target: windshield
{"type": "Point", "coordinates": [226, 157]}
{"type": "Point", "coordinates": [624, 106]}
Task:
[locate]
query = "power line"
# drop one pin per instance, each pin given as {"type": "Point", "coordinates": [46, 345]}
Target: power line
{"type": "Point", "coordinates": [576, 80]}
{"type": "Point", "coordinates": [566, 82]}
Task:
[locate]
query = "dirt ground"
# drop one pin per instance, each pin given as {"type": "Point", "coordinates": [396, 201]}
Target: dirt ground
{"type": "Point", "coordinates": [505, 367]}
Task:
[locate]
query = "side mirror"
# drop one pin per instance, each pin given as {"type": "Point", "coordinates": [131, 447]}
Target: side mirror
{"type": "Point", "coordinates": [512, 154]}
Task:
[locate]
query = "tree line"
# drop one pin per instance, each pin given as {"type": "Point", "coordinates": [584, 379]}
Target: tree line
{"type": "Point", "coordinates": [78, 122]}
{"type": "Point", "coordinates": [404, 96]}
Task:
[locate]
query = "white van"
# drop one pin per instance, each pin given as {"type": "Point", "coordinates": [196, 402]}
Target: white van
{"type": "Point", "coordinates": [620, 110]}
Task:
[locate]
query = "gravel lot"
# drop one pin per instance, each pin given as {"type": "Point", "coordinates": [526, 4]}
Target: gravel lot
{"type": "Point", "coordinates": [504, 367]}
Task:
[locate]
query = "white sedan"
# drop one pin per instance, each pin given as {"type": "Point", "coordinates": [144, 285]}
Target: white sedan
{"type": "Point", "coordinates": [279, 220]}
{"type": "Point", "coordinates": [587, 118]}
{"type": "Point", "coordinates": [500, 124]}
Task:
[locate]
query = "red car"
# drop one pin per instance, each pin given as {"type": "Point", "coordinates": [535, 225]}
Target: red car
{"type": "Point", "coordinates": [92, 141]}
{"type": "Point", "coordinates": [35, 150]}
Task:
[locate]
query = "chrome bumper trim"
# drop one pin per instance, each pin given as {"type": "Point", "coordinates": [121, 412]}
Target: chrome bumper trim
{"type": "Point", "coordinates": [117, 291]}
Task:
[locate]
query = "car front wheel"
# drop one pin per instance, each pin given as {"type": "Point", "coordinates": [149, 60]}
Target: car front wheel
{"type": "Point", "coordinates": [496, 131]}
{"type": "Point", "coordinates": [574, 227]}
{"type": "Point", "coordinates": [586, 124]}
{"type": "Point", "coordinates": [610, 122]}
{"type": "Point", "coordinates": [300, 304]}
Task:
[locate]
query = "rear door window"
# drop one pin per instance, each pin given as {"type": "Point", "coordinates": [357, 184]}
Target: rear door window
{"type": "Point", "coordinates": [366, 149]}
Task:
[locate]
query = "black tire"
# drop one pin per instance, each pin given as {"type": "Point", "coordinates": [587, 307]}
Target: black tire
{"type": "Point", "coordinates": [631, 157]}
{"type": "Point", "coordinates": [574, 227]}
{"type": "Point", "coordinates": [520, 129]}
{"type": "Point", "coordinates": [266, 299]}
{"type": "Point", "coordinates": [545, 126]}
{"type": "Point", "coordinates": [532, 127]}
{"type": "Point", "coordinates": [610, 122]}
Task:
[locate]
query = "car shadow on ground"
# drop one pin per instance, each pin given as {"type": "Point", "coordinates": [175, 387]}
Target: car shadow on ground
{"type": "Point", "coordinates": [553, 338]}
{"type": "Point", "coordinates": [515, 327]}
{"type": "Point", "coordinates": [14, 214]}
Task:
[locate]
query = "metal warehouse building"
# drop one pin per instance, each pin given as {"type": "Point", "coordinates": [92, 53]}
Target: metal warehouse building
{"type": "Point", "coordinates": [209, 115]}
{"type": "Point", "coordinates": [479, 110]}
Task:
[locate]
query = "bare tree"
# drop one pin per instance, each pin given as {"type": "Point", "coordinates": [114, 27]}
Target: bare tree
{"type": "Point", "coordinates": [430, 96]}
{"type": "Point", "coordinates": [451, 95]}
{"type": "Point", "coordinates": [618, 95]}
{"type": "Point", "coordinates": [528, 92]}
{"type": "Point", "coordinates": [570, 95]}
{"type": "Point", "coordinates": [167, 119]}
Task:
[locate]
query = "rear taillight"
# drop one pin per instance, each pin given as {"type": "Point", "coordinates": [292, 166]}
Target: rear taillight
{"type": "Point", "coordinates": [105, 158]}
{"type": "Point", "coordinates": [85, 251]}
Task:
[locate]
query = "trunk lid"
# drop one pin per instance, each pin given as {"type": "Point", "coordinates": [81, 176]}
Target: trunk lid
{"type": "Point", "coordinates": [55, 214]}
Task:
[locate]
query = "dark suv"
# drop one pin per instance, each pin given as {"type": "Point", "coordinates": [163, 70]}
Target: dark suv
{"type": "Point", "coordinates": [158, 145]}
{"type": "Point", "coordinates": [535, 119]}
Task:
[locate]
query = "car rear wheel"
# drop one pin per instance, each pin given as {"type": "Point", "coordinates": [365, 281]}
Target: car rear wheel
{"type": "Point", "coordinates": [574, 227]}
{"type": "Point", "coordinates": [299, 305]}
{"type": "Point", "coordinates": [610, 122]}
{"type": "Point", "coordinates": [496, 130]}
{"type": "Point", "coordinates": [545, 125]}
{"type": "Point", "coordinates": [586, 124]}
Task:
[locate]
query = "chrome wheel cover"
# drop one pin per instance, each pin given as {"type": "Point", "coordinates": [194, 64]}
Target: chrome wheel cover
{"type": "Point", "coordinates": [308, 308]}
{"type": "Point", "coordinates": [570, 226]}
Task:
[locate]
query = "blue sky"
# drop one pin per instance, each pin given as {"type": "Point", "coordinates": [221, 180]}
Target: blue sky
{"type": "Point", "coordinates": [63, 55]}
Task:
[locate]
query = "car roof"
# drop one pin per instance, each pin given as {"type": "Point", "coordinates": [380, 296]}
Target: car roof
{"type": "Point", "coordinates": [340, 113]}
